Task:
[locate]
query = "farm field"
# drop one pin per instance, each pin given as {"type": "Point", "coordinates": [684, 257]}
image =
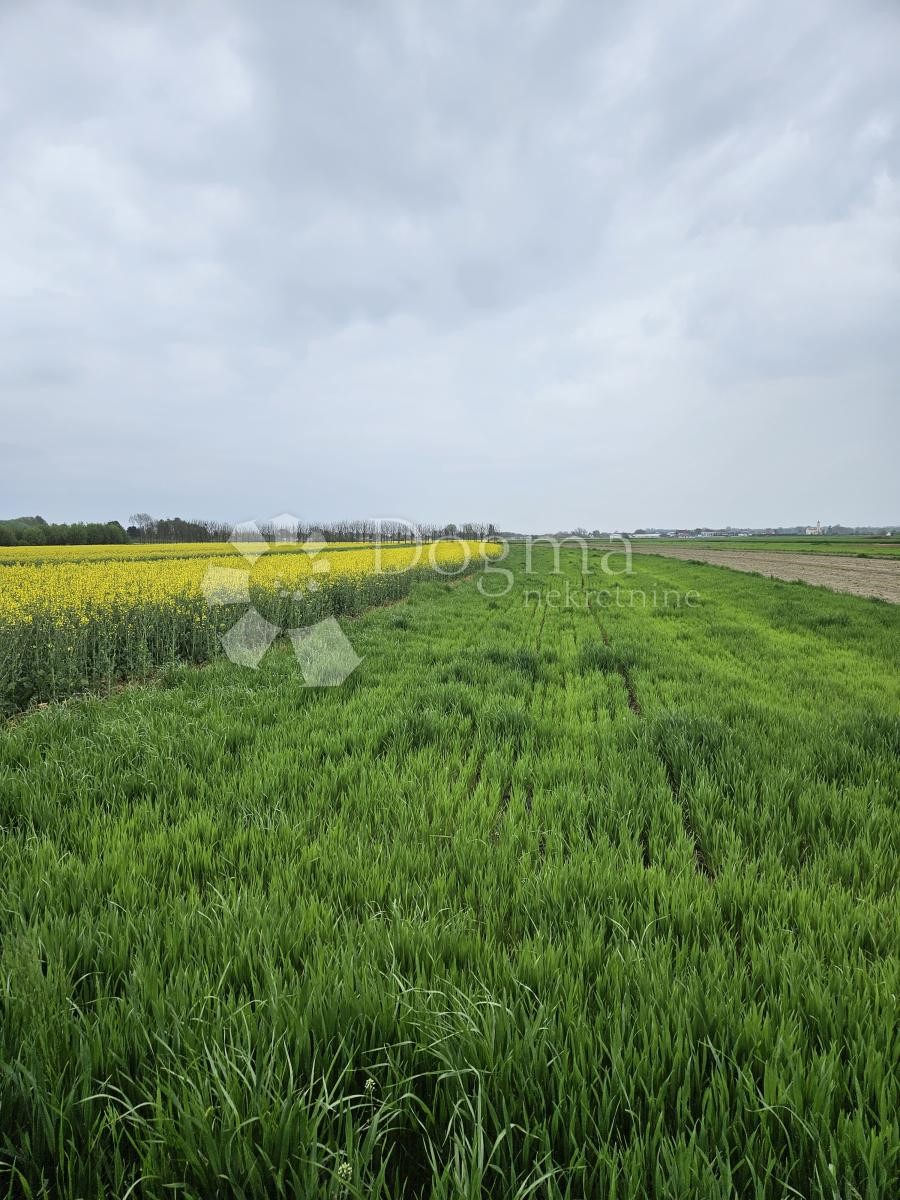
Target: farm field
{"type": "Point", "coordinates": [583, 890]}
{"type": "Point", "coordinates": [77, 617]}
{"type": "Point", "coordinates": [147, 551]}
{"type": "Point", "coordinates": [855, 547]}
{"type": "Point", "coordinates": [879, 578]}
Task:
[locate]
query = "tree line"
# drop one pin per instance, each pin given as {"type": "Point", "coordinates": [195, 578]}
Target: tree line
{"type": "Point", "coordinates": [35, 531]}
{"type": "Point", "coordinates": [143, 528]}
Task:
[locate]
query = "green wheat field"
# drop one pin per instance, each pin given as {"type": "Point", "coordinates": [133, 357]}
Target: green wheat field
{"type": "Point", "coordinates": [584, 890]}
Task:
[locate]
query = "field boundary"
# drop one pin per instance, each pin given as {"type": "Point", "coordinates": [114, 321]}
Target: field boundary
{"type": "Point", "coordinates": [876, 578]}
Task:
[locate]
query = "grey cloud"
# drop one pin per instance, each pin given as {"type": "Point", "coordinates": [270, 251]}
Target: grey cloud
{"type": "Point", "coordinates": [541, 261]}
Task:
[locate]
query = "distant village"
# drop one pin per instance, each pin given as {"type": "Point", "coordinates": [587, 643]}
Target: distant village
{"type": "Point", "coordinates": [817, 530]}
{"type": "Point", "coordinates": [706, 531]}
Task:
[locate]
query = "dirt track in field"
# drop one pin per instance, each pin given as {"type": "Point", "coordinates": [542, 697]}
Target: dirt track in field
{"type": "Point", "coordinates": [840, 573]}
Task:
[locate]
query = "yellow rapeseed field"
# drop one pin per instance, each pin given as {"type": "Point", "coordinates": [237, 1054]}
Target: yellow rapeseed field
{"type": "Point", "coordinates": [32, 555]}
{"type": "Point", "coordinates": [67, 583]}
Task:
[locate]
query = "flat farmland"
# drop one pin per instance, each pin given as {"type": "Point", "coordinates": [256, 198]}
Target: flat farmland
{"type": "Point", "coordinates": [875, 576]}
{"type": "Point", "coordinates": [583, 889]}
{"type": "Point", "coordinates": [857, 547]}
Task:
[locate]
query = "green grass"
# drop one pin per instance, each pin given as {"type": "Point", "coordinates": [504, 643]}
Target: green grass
{"type": "Point", "coordinates": [856, 547]}
{"type": "Point", "coordinates": [559, 902]}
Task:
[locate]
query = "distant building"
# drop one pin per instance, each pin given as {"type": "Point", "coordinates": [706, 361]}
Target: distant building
{"type": "Point", "coordinates": [810, 531]}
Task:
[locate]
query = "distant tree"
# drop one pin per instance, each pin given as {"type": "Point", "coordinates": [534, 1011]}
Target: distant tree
{"type": "Point", "coordinates": [33, 535]}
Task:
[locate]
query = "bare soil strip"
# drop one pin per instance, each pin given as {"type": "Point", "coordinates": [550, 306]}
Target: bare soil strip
{"type": "Point", "coordinates": [859, 576]}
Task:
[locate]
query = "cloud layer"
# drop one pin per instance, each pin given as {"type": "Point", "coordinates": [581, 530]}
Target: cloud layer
{"type": "Point", "coordinates": [544, 264]}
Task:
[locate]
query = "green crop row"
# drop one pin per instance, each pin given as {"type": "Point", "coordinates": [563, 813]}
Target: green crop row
{"type": "Point", "coordinates": [587, 889]}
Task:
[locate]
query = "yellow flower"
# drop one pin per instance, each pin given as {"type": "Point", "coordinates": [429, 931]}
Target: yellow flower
{"type": "Point", "coordinates": [79, 582]}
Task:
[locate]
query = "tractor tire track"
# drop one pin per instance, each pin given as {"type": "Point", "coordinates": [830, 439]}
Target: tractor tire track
{"type": "Point", "coordinates": [701, 863]}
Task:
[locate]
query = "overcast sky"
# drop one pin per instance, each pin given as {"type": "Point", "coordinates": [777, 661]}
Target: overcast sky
{"type": "Point", "coordinates": [546, 264]}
